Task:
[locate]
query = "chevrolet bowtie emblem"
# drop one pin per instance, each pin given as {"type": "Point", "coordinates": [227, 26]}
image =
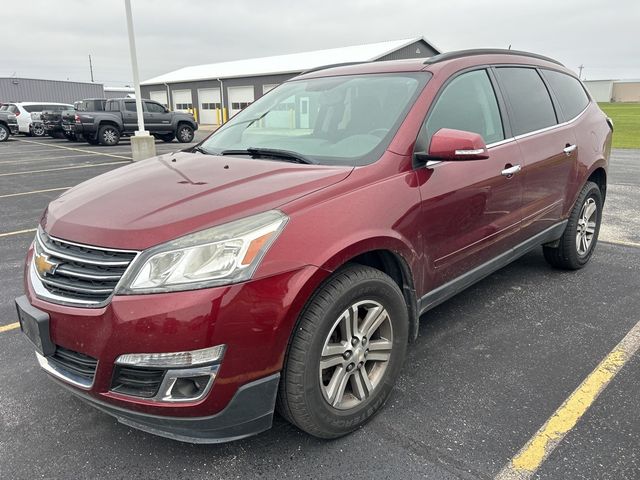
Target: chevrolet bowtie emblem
{"type": "Point", "coordinates": [44, 265]}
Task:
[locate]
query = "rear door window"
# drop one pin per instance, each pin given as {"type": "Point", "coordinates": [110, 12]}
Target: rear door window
{"type": "Point", "coordinates": [33, 108]}
{"type": "Point", "coordinates": [569, 92]}
{"type": "Point", "coordinates": [531, 105]}
{"type": "Point", "coordinates": [467, 103]}
{"type": "Point", "coordinates": [130, 106]}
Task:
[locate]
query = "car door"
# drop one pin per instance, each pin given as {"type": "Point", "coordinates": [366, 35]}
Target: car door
{"type": "Point", "coordinates": [130, 116]}
{"type": "Point", "coordinates": [548, 148]}
{"type": "Point", "coordinates": [470, 209]}
{"type": "Point", "coordinates": [156, 117]}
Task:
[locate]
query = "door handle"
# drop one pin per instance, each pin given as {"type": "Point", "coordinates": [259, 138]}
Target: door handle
{"type": "Point", "coordinates": [569, 149]}
{"type": "Point", "coordinates": [510, 171]}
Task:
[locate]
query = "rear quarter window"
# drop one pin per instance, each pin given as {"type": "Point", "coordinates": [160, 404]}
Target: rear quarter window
{"type": "Point", "coordinates": [569, 92]}
{"type": "Point", "coordinates": [531, 106]}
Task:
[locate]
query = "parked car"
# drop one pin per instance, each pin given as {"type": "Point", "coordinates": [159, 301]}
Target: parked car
{"type": "Point", "coordinates": [52, 119]}
{"type": "Point", "coordinates": [287, 265]}
{"type": "Point", "coordinates": [8, 125]}
{"type": "Point", "coordinates": [120, 118]}
{"type": "Point", "coordinates": [24, 111]}
{"type": "Point", "coordinates": [68, 117]}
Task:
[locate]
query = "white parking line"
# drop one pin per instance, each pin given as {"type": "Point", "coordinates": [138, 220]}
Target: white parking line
{"type": "Point", "coordinates": [20, 152]}
{"type": "Point", "coordinates": [61, 168]}
{"type": "Point", "coordinates": [31, 160]}
{"type": "Point", "coordinates": [34, 191]}
{"type": "Point", "coordinates": [75, 149]}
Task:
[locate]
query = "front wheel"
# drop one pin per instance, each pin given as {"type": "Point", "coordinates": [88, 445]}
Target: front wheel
{"type": "Point", "coordinates": [184, 134]}
{"type": "Point", "coordinates": [37, 130]}
{"type": "Point", "coordinates": [579, 239]}
{"type": "Point", "coordinates": [345, 354]}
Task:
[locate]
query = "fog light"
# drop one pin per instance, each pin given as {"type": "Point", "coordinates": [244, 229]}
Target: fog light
{"type": "Point", "coordinates": [173, 360]}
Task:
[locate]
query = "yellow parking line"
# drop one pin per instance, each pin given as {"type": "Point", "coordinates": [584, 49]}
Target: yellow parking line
{"type": "Point", "coordinates": [11, 326]}
{"type": "Point", "coordinates": [17, 232]}
{"type": "Point", "coordinates": [527, 461]}
{"type": "Point", "coordinates": [34, 191]}
{"type": "Point", "coordinates": [76, 149]}
{"type": "Point", "coordinates": [622, 242]}
{"type": "Point", "coordinates": [60, 168]}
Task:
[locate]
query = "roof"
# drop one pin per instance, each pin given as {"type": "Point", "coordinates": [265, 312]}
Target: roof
{"type": "Point", "coordinates": [280, 64]}
{"type": "Point", "coordinates": [631, 80]}
{"type": "Point", "coordinates": [118, 89]}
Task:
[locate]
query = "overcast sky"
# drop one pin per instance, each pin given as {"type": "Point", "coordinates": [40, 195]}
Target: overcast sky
{"type": "Point", "coordinates": [52, 39]}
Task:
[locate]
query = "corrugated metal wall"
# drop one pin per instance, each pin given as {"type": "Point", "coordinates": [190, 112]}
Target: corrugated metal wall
{"type": "Point", "coordinates": [32, 90]}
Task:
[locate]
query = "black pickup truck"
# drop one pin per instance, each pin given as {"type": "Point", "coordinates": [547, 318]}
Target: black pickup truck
{"type": "Point", "coordinates": [119, 118]}
{"type": "Point", "coordinates": [68, 117]}
{"type": "Point", "coordinates": [8, 125]}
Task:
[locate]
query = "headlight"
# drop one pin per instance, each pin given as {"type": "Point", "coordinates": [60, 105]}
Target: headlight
{"type": "Point", "coordinates": [221, 255]}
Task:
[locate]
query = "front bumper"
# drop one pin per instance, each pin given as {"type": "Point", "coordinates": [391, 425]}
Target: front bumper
{"type": "Point", "coordinates": [253, 319]}
{"type": "Point", "coordinates": [249, 412]}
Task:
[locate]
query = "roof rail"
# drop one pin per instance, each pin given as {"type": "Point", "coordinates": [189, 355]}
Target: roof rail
{"type": "Point", "coordinates": [485, 51]}
{"type": "Point", "coordinates": [324, 67]}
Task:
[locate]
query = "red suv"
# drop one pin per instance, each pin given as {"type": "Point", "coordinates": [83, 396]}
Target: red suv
{"type": "Point", "coordinates": [284, 262]}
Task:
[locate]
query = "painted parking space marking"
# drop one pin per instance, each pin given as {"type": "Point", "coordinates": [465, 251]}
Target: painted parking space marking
{"type": "Point", "coordinates": [44, 159]}
{"type": "Point", "coordinates": [529, 459]}
{"type": "Point", "coordinates": [17, 232]}
{"type": "Point", "coordinates": [11, 326]}
{"type": "Point", "coordinates": [61, 168]}
{"type": "Point", "coordinates": [19, 151]}
{"type": "Point", "coordinates": [34, 192]}
{"type": "Point", "coordinates": [624, 243]}
{"type": "Point", "coordinates": [76, 149]}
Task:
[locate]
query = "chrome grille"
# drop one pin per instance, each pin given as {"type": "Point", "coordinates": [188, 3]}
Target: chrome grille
{"type": "Point", "coordinates": [83, 274]}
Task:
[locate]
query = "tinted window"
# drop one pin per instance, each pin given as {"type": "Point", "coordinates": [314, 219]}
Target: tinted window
{"type": "Point", "coordinates": [468, 103]}
{"type": "Point", "coordinates": [569, 92]}
{"type": "Point", "coordinates": [154, 107]}
{"type": "Point", "coordinates": [130, 106]}
{"type": "Point", "coordinates": [33, 108]}
{"type": "Point", "coordinates": [111, 106]}
{"type": "Point", "coordinates": [529, 98]}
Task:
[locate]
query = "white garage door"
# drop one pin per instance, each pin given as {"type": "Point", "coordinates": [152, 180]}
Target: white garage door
{"type": "Point", "coordinates": [239, 98]}
{"type": "Point", "coordinates": [209, 99]}
{"type": "Point", "coordinates": [181, 100]}
{"type": "Point", "coordinates": [160, 97]}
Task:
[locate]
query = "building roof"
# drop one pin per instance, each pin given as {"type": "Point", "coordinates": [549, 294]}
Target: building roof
{"type": "Point", "coordinates": [280, 64]}
{"type": "Point", "coordinates": [118, 89]}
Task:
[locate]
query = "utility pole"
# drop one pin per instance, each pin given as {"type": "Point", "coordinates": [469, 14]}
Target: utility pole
{"type": "Point", "coordinates": [580, 74]}
{"type": "Point", "coordinates": [91, 68]}
{"type": "Point", "coordinates": [142, 144]}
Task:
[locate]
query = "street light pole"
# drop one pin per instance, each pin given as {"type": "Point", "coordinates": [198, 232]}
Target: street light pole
{"type": "Point", "coordinates": [142, 144]}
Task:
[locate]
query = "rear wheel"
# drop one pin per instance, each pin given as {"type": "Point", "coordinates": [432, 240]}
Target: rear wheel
{"type": "Point", "coordinates": [108, 135]}
{"type": "Point", "coordinates": [184, 134]}
{"type": "Point", "coordinates": [4, 133]}
{"type": "Point", "coordinates": [345, 354]}
{"type": "Point", "coordinates": [579, 239]}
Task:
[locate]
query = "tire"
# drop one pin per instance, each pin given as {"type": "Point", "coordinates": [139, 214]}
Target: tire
{"type": "Point", "coordinates": [108, 135]}
{"type": "Point", "coordinates": [4, 133]}
{"type": "Point", "coordinates": [306, 396]}
{"type": "Point", "coordinates": [184, 133]}
{"type": "Point", "coordinates": [38, 130]}
{"type": "Point", "coordinates": [578, 242]}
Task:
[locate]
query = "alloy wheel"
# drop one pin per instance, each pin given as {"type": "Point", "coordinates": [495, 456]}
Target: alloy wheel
{"type": "Point", "coordinates": [586, 226]}
{"type": "Point", "coordinates": [109, 136]}
{"type": "Point", "coordinates": [185, 135]}
{"type": "Point", "coordinates": [355, 354]}
{"type": "Point", "coordinates": [3, 134]}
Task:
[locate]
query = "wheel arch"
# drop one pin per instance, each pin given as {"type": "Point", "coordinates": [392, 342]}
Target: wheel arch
{"type": "Point", "coordinates": [599, 176]}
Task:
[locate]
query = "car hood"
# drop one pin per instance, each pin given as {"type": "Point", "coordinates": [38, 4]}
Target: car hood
{"type": "Point", "coordinates": [165, 197]}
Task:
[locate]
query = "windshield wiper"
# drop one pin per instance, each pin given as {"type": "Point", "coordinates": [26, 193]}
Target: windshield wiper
{"type": "Point", "coordinates": [199, 149]}
{"type": "Point", "coordinates": [275, 153]}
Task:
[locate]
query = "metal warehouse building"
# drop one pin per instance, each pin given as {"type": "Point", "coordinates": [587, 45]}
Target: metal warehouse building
{"type": "Point", "coordinates": [13, 89]}
{"type": "Point", "coordinates": [212, 91]}
{"type": "Point", "coordinates": [614, 90]}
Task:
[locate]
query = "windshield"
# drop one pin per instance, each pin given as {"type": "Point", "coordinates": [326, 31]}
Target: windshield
{"type": "Point", "coordinates": [346, 120]}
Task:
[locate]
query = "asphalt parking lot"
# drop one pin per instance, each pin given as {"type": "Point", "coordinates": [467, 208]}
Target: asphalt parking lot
{"type": "Point", "coordinates": [491, 366]}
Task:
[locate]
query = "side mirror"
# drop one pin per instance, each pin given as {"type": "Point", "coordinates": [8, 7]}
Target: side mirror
{"type": "Point", "coordinates": [454, 145]}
